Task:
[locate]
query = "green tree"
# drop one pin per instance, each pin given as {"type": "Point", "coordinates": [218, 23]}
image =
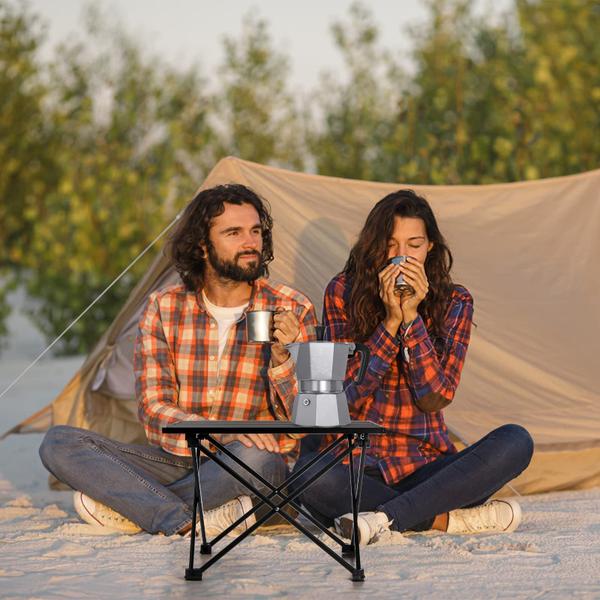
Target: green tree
{"type": "Point", "coordinates": [25, 142]}
{"type": "Point", "coordinates": [561, 49]}
{"type": "Point", "coordinates": [432, 126]}
{"type": "Point", "coordinates": [353, 118]}
{"type": "Point", "coordinates": [489, 100]}
{"type": "Point", "coordinates": [133, 148]}
{"type": "Point", "coordinates": [500, 102]}
{"type": "Point", "coordinates": [258, 116]}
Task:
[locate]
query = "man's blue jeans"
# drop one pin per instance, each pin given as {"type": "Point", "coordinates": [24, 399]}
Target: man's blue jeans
{"type": "Point", "coordinates": [149, 486]}
{"type": "Point", "coordinates": [452, 481]}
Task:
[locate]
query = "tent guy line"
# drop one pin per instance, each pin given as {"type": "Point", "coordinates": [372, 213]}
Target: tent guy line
{"type": "Point", "coordinates": [88, 308]}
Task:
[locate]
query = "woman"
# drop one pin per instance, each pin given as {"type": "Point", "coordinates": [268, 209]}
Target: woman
{"type": "Point", "coordinates": [414, 478]}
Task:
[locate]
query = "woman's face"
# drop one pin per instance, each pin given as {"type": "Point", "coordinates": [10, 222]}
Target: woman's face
{"type": "Point", "coordinates": [409, 238]}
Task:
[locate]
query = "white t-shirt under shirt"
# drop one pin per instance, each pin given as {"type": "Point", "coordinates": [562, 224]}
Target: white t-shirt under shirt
{"type": "Point", "coordinates": [225, 316]}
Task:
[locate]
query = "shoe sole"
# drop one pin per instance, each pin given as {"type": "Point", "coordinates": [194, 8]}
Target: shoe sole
{"type": "Point", "coordinates": [517, 515]}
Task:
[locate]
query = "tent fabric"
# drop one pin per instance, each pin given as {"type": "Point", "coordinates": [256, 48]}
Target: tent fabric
{"type": "Point", "coordinates": [527, 251]}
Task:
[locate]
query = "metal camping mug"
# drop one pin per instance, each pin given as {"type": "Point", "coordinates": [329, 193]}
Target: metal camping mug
{"type": "Point", "coordinates": [259, 326]}
{"type": "Point", "coordinates": [401, 286]}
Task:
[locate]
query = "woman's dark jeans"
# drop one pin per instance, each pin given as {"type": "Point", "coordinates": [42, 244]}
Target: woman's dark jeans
{"type": "Point", "coordinates": [452, 481]}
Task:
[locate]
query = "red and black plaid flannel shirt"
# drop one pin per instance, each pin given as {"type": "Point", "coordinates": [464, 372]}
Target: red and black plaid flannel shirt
{"type": "Point", "coordinates": [402, 370]}
{"type": "Point", "coordinates": [175, 363]}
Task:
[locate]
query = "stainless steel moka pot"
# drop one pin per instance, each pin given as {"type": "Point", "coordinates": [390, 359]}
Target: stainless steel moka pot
{"type": "Point", "coordinates": [321, 370]}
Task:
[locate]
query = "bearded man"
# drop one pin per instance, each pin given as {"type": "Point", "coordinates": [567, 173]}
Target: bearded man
{"type": "Point", "coordinates": [192, 361]}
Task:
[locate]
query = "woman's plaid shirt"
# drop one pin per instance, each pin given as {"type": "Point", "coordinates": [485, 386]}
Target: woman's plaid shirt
{"type": "Point", "coordinates": [176, 372]}
{"type": "Point", "coordinates": [403, 370]}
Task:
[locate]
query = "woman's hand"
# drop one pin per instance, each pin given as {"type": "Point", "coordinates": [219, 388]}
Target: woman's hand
{"type": "Point", "coordinates": [414, 274]}
{"type": "Point", "coordinates": [391, 300]}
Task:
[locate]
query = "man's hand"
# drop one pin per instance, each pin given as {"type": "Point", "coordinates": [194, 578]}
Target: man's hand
{"type": "Point", "coordinates": [263, 441]}
{"type": "Point", "coordinates": [286, 331]}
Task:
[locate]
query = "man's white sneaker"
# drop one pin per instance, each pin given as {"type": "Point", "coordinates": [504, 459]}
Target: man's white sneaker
{"type": "Point", "coordinates": [497, 516]}
{"type": "Point", "coordinates": [220, 518]}
{"type": "Point", "coordinates": [98, 514]}
{"type": "Point", "coordinates": [370, 526]}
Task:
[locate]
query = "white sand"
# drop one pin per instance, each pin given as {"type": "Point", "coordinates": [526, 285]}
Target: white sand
{"type": "Point", "coordinates": [46, 552]}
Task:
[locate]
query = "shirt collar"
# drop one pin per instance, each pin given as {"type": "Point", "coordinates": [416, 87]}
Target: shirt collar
{"type": "Point", "coordinates": [258, 299]}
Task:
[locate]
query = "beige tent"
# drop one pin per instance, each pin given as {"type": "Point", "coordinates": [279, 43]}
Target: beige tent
{"type": "Point", "coordinates": [529, 252]}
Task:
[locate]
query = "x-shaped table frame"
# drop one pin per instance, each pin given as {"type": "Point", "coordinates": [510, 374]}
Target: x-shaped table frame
{"type": "Point", "coordinates": [357, 436]}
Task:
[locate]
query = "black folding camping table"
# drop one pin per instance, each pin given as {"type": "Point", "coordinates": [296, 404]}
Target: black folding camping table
{"type": "Point", "coordinates": [357, 436]}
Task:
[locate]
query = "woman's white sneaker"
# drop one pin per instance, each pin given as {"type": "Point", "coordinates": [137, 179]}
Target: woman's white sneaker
{"type": "Point", "coordinates": [497, 516]}
{"type": "Point", "coordinates": [370, 526]}
{"type": "Point", "coordinates": [100, 515]}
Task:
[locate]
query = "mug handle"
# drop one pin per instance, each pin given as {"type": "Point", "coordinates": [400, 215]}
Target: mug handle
{"type": "Point", "coordinates": [365, 356]}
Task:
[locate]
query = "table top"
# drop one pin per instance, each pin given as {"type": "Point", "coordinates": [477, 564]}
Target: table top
{"type": "Point", "coordinates": [187, 427]}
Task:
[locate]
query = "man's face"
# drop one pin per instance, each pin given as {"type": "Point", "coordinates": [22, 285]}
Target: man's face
{"type": "Point", "coordinates": [235, 243]}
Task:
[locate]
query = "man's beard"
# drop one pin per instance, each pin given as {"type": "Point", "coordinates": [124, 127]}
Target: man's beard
{"type": "Point", "coordinates": [230, 269]}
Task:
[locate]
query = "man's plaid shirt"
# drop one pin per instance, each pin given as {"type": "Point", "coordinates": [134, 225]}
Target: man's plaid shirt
{"type": "Point", "coordinates": [176, 371]}
{"type": "Point", "coordinates": [403, 370]}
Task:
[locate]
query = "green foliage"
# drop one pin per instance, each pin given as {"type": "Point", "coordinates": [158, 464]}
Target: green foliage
{"type": "Point", "coordinates": [100, 148]}
{"type": "Point", "coordinates": [25, 154]}
{"type": "Point", "coordinates": [561, 49]}
{"type": "Point", "coordinates": [487, 102]}
{"type": "Point", "coordinates": [23, 132]}
{"type": "Point", "coordinates": [133, 137]}
{"type": "Point", "coordinates": [357, 114]}
{"type": "Point", "coordinates": [257, 113]}
{"type": "Point", "coordinates": [493, 106]}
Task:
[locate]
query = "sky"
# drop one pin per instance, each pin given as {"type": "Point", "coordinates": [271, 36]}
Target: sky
{"type": "Point", "coordinates": [184, 32]}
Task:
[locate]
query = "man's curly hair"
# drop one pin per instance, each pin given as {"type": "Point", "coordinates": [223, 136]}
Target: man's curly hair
{"type": "Point", "coordinates": [193, 230]}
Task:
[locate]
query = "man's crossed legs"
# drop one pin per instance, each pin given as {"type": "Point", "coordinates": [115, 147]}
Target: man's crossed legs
{"type": "Point", "coordinates": [150, 487]}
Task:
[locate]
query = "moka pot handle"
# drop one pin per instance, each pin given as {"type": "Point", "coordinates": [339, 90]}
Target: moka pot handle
{"type": "Point", "coordinates": [365, 356]}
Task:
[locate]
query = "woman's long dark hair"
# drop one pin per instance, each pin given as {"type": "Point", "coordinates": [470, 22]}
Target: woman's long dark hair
{"type": "Point", "coordinates": [193, 230]}
{"type": "Point", "coordinates": [365, 308]}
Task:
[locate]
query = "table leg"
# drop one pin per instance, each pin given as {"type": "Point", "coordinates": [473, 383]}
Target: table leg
{"type": "Point", "coordinates": [197, 510]}
{"type": "Point", "coordinates": [356, 491]}
{"type": "Point", "coordinates": [189, 571]}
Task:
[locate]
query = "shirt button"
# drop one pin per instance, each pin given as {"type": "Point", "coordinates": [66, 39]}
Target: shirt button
{"type": "Point", "coordinates": [211, 358]}
{"type": "Point", "coordinates": [212, 325]}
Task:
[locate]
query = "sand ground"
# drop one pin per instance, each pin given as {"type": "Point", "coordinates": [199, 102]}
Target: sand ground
{"type": "Point", "coordinates": [46, 552]}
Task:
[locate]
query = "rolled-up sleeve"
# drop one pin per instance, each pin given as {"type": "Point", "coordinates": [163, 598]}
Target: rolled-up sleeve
{"type": "Point", "coordinates": [156, 385]}
{"type": "Point", "coordinates": [433, 375]}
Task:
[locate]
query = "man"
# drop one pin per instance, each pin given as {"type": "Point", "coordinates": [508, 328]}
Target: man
{"type": "Point", "coordinates": [192, 362]}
